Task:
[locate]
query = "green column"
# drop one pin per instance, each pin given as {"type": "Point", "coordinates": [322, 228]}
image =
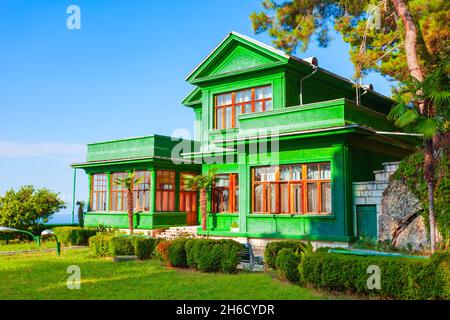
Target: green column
{"type": "Point", "coordinates": [177, 191]}
{"type": "Point", "coordinates": [73, 194]}
{"type": "Point", "coordinates": [89, 204]}
{"type": "Point", "coordinates": [244, 191]}
{"type": "Point", "coordinates": [152, 190]}
{"type": "Point", "coordinates": [108, 191]}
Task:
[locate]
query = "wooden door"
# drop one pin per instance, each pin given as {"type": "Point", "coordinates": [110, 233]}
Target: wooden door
{"type": "Point", "coordinates": [188, 203]}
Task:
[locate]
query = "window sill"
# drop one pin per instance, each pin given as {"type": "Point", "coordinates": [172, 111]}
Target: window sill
{"type": "Point", "coordinates": [296, 216]}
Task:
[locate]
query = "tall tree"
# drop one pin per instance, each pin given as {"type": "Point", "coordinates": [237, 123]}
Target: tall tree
{"type": "Point", "coordinates": [127, 183]}
{"type": "Point", "coordinates": [404, 40]}
{"type": "Point", "coordinates": [203, 183]}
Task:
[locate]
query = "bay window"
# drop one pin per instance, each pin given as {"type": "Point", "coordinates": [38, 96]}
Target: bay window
{"type": "Point", "coordinates": [99, 190]}
{"type": "Point", "coordinates": [229, 105]}
{"type": "Point", "coordinates": [225, 193]}
{"type": "Point", "coordinates": [292, 189]}
{"type": "Point", "coordinates": [118, 196]}
{"type": "Point", "coordinates": [165, 190]}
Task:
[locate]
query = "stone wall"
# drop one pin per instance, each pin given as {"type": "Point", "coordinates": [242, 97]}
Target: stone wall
{"type": "Point", "coordinates": [398, 210]}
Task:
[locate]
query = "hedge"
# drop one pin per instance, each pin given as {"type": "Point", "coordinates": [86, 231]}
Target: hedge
{"type": "Point", "coordinates": [144, 247]}
{"type": "Point", "coordinates": [272, 249]}
{"type": "Point", "coordinates": [110, 245]}
{"type": "Point", "coordinates": [99, 244]}
{"type": "Point", "coordinates": [163, 251]}
{"type": "Point", "coordinates": [287, 265]}
{"type": "Point", "coordinates": [401, 278]}
{"type": "Point", "coordinates": [208, 255]}
{"type": "Point", "coordinates": [177, 253]}
{"type": "Point", "coordinates": [74, 236]}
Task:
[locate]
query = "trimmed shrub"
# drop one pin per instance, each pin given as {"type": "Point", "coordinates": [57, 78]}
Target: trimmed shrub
{"type": "Point", "coordinates": [287, 265]}
{"type": "Point", "coordinates": [208, 255]}
{"type": "Point", "coordinates": [401, 278]}
{"type": "Point", "coordinates": [99, 244]}
{"type": "Point", "coordinates": [163, 251]}
{"type": "Point", "coordinates": [177, 253]}
{"type": "Point", "coordinates": [74, 236]}
{"type": "Point", "coordinates": [272, 249]}
{"type": "Point", "coordinates": [121, 246]}
{"type": "Point", "coordinates": [144, 247]}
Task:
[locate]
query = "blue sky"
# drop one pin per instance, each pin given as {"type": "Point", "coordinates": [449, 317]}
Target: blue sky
{"type": "Point", "coordinates": [121, 75]}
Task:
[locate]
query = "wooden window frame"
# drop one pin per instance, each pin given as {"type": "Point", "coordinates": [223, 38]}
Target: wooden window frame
{"type": "Point", "coordinates": [96, 193]}
{"type": "Point", "coordinates": [113, 194]}
{"type": "Point", "coordinates": [146, 192]}
{"type": "Point", "coordinates": [171, 193]}
{"type": "Point", "coordinates": [304, 181]}
{"type": "Point", "coordinates": [233, 186]}
{"type": "Point", "coordinates": [234, 105]}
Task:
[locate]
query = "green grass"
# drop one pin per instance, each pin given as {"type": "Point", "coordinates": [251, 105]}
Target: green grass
{"type": "Point", "coordinates": [20, 246]}
{"type": "Point", "coordinates": [43, 276]}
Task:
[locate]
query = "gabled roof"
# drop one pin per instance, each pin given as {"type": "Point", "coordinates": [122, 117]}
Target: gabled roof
{"type": "Point", "coordinates": [193, 98]}
{"type": "Point", "coordinates": [252, 52]}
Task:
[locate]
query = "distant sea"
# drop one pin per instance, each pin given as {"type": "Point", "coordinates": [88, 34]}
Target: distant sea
{"type": "Point", "coordinates": [62, 218]}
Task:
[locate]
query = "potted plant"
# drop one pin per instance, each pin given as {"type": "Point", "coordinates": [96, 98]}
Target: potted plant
{"type": "Point", "coordinates": [234, 227]}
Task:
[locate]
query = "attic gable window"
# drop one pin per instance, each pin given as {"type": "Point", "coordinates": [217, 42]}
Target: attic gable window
{"type": "Point", "coordinates": [231, 104]}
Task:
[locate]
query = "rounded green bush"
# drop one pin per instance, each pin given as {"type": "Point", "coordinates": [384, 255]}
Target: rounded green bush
{"type": "Point", "coordinates": [177, 253]}
{"type": "Point", "coordinates": [144, 247]}
{"type": "Point", "coordinates": [272, 249]}
{"type": "Point", "coordinates": [287, 263]}
{"type": "Point", "coordinates": [121, 246]}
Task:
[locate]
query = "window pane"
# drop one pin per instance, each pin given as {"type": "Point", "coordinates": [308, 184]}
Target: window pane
{"type": "Point", "coordinates": [313, 172]}
{"type": "Point", "coordinates": [227, 99]}
{"type": "Point", "coordinates": [272, 198]}
{"type": "Point", "coordinates": [265, 174]}
{"type": "Point", "coordinates": [296, 173]}
{"type": "Point", "coordinates": [236, 200]}
{"type": "Point", "coordinates": [285, 173]}
{"type": "Point", "coordinates": [220, 100]}
{"type": "Point", "coordinates": [259, 93]}
{"type": "Point", "coordinates": [225, 201]}
{"type": "Point", "coordinates": [237, 112]}
{"type": "Point", "coordinates": [258, 106]}
{"type": "Point", "coordinates": [325, 172]}
{"type": "Point", "coordinates": [297, 198]}
{"type": "Point", "coordinates": [268, 92]}
{"type": "Point", "coordinates": [248, 108]}
{"type": "Point", "coordinates": [258, 198]}
{"type": "Point", "coordinates": [284, 198]}
{"type": "Point", "coordinates": [312, 197]}
{"type": "Point", "coordinates": [326, 197]}
{"type": "Point", "coordinates": [228, 117]}
{"type": "Point", "coordinates": [222, 181]}
{"type": "Point", "coordinates": [239, 96]}
{"type": "Point", "coordinates": [219, 119]}
{"type": "Point", "coordinates": [268, 105]}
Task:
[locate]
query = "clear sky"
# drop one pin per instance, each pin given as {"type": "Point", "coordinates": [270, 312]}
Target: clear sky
{"type": "Point", "coordinates": [121, 75]}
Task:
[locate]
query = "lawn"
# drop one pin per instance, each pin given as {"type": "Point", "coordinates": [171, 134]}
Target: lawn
{"type": "Point", "coordinates": [25, 246]}
{"type": "Point", "coordinates": [43, 276]}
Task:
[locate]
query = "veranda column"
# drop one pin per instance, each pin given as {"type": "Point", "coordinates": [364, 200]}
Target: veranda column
{"type": "Point", "coordinates": [152, 190]}
{"type": "Point", "coordinates": [244, 191]}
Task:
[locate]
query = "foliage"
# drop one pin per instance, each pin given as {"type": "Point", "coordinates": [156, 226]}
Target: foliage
{"type": "Point", "coordinates": [177, 253]}
{"type": "Point", "coordinates": [99, 244]}
{"type": "Point", "coordinates": [401, 278]}
{"type": "Point", "coordinates": [287, 265]}
{"type": "Point", "coordinates": [74, 236]}
{"type": "Point", "coordinates": [272, 249]}
{"type": "Point", "coordinates": [121, 246]}
{"type": "Point", "coordinates": [134, 280]}
{"type": "Point", "coordinates": [208, 255]}
{"type": "Point", "coordinates": [144, 247]}
{"type": "Point", "coordinates": [28, 207]}
{"type": "Point", "coordinates": [234, 224]}
{"type": "Point", "coordinates": [81, 205]}
{"type": "Point", "coordinates": [163, 250]}
{"type": "Point", "coordinates": [372, 29]}
{"type": "Point", "coordinates": [410, 171]}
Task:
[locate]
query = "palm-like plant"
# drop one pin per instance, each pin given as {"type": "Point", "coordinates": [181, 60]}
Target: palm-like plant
{"type": "Point", "coordinates": [423, 108]}
{"type": "Point", "coordinates": [203, 183]}
{"type": "Point", "coordinates": [127, 183]}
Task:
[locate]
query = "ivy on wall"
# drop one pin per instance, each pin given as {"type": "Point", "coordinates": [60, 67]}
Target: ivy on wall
{"type": "Point", "coordinates": [410, 171]}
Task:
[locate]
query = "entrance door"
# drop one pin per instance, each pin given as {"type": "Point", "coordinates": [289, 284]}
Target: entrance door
{"type": "Point", "coordinates": [188, 203]}
{"type": "Point", "coordinates": [366, 217]}
{"type": "Point", "coordinates": [188, 200]}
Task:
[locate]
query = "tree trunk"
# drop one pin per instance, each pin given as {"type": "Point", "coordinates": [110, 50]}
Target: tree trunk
{"type": "Point", "coordinates": [429, 163]}
{"type": "Point", "coordinates": [410, 39]}
{"type": "Point", "coordinates": [203, 208]}
{"type": "Point", "coordinates": [130, 209]}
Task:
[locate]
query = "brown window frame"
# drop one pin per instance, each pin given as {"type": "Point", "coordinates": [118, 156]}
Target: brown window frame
{"type": "Point", "coordinates": [168, 194]}
{"type": "Point", "coordinates": [304, 181]}
{"type": "Point", "coordinates": [95, 193]}
{"type": "Point", "coordinates": [235, 105]}
{"type": "Point", "coordinates": [233, 186]}
{"type": "Point", "coordinates": [137, 190]}
{"type": "Point", "coordinates": [115, 190]}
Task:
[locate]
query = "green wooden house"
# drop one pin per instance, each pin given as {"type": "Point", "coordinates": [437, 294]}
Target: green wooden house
{"type": "Point", "coordinates": [285, 138]}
